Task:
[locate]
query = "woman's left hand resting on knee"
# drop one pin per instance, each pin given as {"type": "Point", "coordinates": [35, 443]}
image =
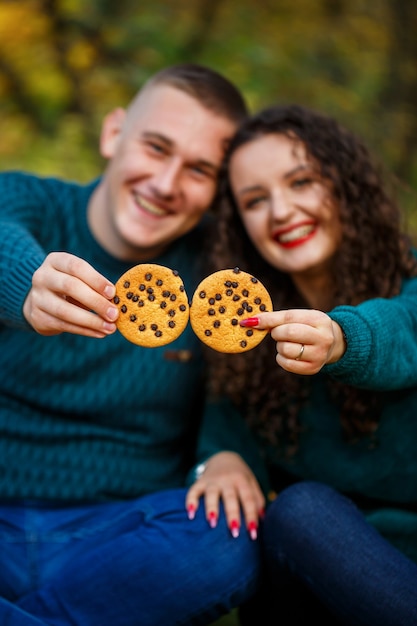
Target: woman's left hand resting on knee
{"type": "Point", "coordinates": [228, 477]}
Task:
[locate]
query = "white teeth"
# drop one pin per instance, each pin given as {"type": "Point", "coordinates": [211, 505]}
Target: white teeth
{"type": "Point", "coordinates": [297, 233]}
{"type": "Point", "coordinates": [150, 208]}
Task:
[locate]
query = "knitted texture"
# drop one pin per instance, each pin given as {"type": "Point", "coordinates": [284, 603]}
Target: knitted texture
{"type": "Point", "coordinates": [83, 418]}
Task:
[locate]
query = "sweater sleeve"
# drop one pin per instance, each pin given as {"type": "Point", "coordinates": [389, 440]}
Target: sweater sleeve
{"type": "Point", "coordinates": [381, 339]}
{"type": "Point", "coordinates": [21, 254]}
{"type": "Point", "coordinates": [224, 429]}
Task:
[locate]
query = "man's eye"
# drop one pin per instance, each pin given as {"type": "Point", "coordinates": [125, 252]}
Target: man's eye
{"type": "Point", "coordinates": [201, 171]}
{"type": "Point", "coordinates": [156, 147]}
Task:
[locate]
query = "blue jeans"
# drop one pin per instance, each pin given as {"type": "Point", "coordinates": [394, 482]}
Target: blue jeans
{"type": "Point", "coordinates": [325, 559]}
{"type": "Point", "coordinates": [141, 563]}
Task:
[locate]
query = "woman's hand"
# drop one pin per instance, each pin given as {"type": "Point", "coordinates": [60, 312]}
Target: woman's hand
{"type": "Point", "coordinates": [68, 295]}
{"type": "Point", "coordinates": [306, 339]}
{"type": "Point", "coordinates": [229, 478]}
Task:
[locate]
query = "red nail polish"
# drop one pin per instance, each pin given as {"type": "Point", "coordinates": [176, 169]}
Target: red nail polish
{"type": "Point", "coordinates": [191, 511]}
{"type": "Point", "coordinates": [249, 321]}
{"type": "Point", "coordinates": [253, 530]}
{"type": "Point", "coordinates": [234, 528]}
{"type": "Point", "coordinates": [212, 519]}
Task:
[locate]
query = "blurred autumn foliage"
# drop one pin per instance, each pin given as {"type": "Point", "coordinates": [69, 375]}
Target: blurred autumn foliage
{"type": "Point", "coordinates": [65, 63]}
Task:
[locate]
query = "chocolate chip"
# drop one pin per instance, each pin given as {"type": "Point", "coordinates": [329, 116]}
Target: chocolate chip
{"type": "Point", "coordinates": [218, 296]}
{"type": "Point", "coordinates": [173, 297]}
{"type": "Point", "coordinates": [154, 326]}
{"type": "Point", "coordinates": [216, 324]}
{"type": "Point", "coordinates": [236, 270]}
{"type": "Point", "coordinates": [258, 301]}
{"type": "Point", "coordinates": [151, 298]}
{"type": "Point", "coordinates": [142, 327]}
{"type": "Point", "coordinates": [171, 324]}
{"type": "Point", "coordinates": [249, 332]}
{"type": "Point", "coordinates": [183, 307]}
{"type": "Point", "coordinates": [149, 290]}
{"type": "Point", "coordinates": [212, 301]}
{"type": "Point", "coordinates": [202, 294]}
{"type": "Point", "coordinates": [236, 298]}
{"type": "Point", "coordinates": [234, 322]}
{"type": "Point", "coordinates": [141, 303]}
{"type": "Point", "coordinates": [243, 343]}
{"type": "Point", "coordinates": [171, 313]}
{"type": "Point", "coordinates": [254, 280]}
{"type": "Point", "coordinates": [129, 295]}
{"type": "Point", "coordinates": [211, 312]}
{"type": "Point", "coordinates": [229, 292]}
{"type": "Point", "coordinates": [182, 288]}
{"type": "Point", "coordinates": [262, 307]}
{"type": "Point", "coordinates": [158, 333]}
{"type": "Point", "coordinates": [222, 309]}
{"type": "Point", "coordinates": [245, 292]}
{"type": "Point", "coordinates": [116, 299]}
{"type": "Point", "coordinates": [126, 284]}
{"type": "Point", "coordinates": [142, 287]}
{"type": "Point", "coordinates": [240, 311]}
{"type": "Point", "coordinates": [159, 282]}
{"type": "Point", "coordinates": [175, 272]}
{"type": "Point", "coordinates": [166, 293]}
{"type": "Point", "coordinates": [163, 304]}
{"type": "Point", "coordinates": [207, 333]}
{"type": "Point", "coordinates": [148, 276]}
{"type": "Point", "coordinates": [135, 298]}
{"type": "Point", "coordinates": [123, 308]}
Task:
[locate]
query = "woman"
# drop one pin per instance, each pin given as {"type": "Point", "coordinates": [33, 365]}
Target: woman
{"type": "Point", "coordinates": [306, 211]}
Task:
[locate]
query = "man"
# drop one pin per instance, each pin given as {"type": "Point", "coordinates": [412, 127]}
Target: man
{"type": "Point", "coordinates": [99, 434]}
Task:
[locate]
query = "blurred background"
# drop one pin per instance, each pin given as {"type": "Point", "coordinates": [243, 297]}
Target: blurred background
{"type": "Point", "coordinates": [65, 63]}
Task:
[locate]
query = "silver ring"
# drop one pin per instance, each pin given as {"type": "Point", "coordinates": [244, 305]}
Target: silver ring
{"type": "Point", "coordinates": [300, 354]}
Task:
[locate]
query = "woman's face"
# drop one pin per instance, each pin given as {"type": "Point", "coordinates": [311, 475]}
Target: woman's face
{"type": "Point", "coordinates": [286, 207]}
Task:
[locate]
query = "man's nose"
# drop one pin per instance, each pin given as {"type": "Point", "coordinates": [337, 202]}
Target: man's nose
{"type": "Point", "coordinates": [166, 181]}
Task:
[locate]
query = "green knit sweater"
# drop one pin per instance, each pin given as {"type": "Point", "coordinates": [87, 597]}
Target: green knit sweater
{"type": "Point", "coordinates": [94, 419]}
{"type": "Point", "coordinates": [379, 472]}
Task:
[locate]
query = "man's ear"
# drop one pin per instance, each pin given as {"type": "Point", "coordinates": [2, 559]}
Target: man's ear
{"type": "Point", "coordinates": [110, 132]}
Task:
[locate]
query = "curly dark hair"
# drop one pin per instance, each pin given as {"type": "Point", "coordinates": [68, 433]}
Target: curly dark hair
{"type": "Point", "coordinates": [373, 258]}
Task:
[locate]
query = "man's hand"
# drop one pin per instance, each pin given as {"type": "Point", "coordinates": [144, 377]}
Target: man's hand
{"type": "Point", "coordinates": [68, 295]}
{"type": "Point", "coordinates": [229, 478]}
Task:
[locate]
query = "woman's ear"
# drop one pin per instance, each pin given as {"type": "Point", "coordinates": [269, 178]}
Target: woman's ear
{"type": "Point", "coordinates": [110, 132]}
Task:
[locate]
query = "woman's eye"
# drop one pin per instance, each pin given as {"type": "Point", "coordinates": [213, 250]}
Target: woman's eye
{"type": "Point", "coordinates": [254, 202]}
{"type": "Point", "coordinates": [301, 182]}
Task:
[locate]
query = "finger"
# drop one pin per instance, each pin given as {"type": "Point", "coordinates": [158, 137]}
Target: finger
{"type": "Point", "coordinates": [211, 504]}
{"type": "Point", "coordinates": [192, 499]}
{"type": "Point", "coordinates": [61, 315]}
{"type": "Point", "coordinates": [80, 295]}
{"type": "Point", "coordinates": [231, 504]}
{"type": "Point", "coordinates": [252, 503]}
{"type": "Point", "coordinates": [46, 324]}
{"type": "Point", "coordinates": [77, 267]}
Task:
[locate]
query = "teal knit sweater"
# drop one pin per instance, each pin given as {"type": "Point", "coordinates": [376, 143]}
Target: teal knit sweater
{"type": "Point", "coordinates": [379, 472]}
{"type": "Point", "coordinates": [94, 419]}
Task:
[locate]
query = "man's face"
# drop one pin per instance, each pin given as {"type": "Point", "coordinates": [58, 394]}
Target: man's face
{"type": "Point", "coordinates": [164, 157]}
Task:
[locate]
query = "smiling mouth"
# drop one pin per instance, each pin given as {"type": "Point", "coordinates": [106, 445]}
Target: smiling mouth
{"type": "Point", "coordinates": [149, 207]}
{"type": "Point", "coordinates": [296, 234]}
